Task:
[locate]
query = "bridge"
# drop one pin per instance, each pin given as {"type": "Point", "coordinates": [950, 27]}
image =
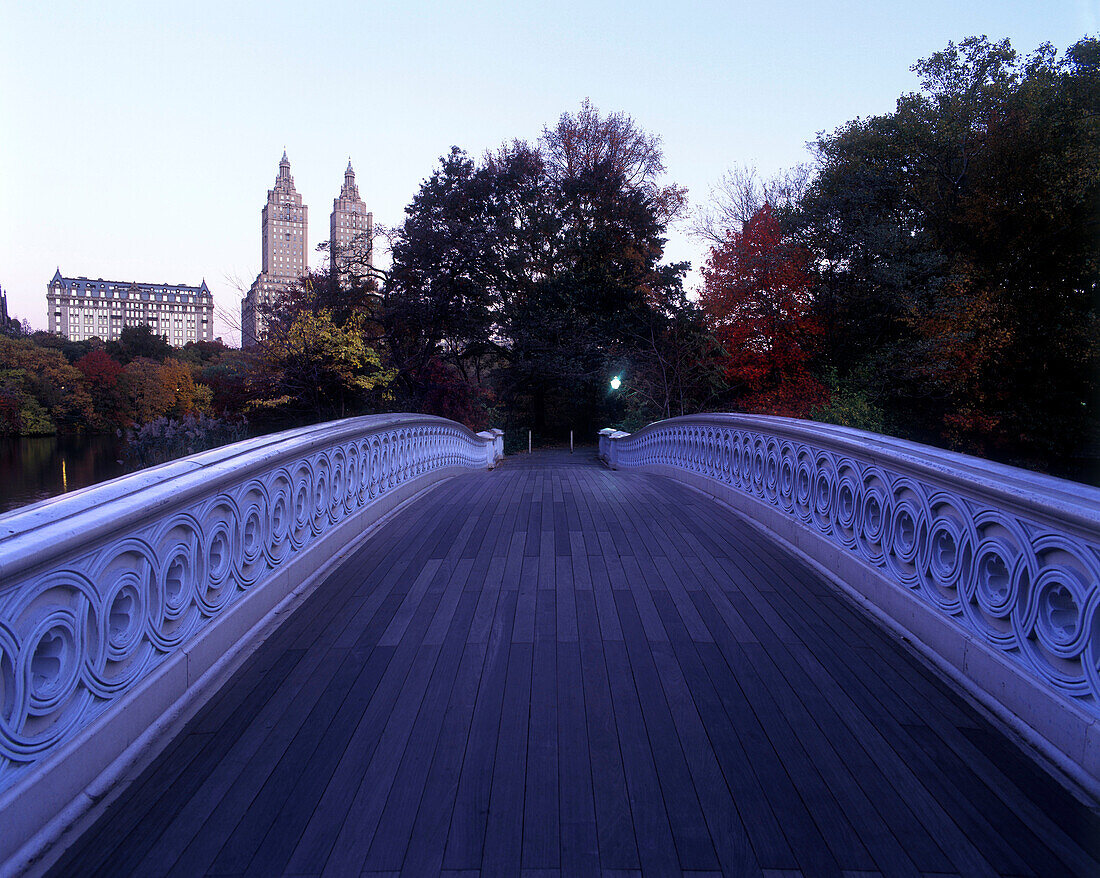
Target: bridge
{"type": "Point", "coordinates": [727, 645]}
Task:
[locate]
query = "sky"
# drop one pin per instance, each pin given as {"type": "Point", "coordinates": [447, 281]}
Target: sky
{"type": "Point", "coordinates": [138, 139]}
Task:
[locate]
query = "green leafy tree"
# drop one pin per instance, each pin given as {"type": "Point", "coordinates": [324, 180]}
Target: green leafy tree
{"type": "Point", "coordinates": [957, 250]}
{"type": "Point", "coordinates": [139, 341]}
{"type": "Point", "coordinates": [535, 271]}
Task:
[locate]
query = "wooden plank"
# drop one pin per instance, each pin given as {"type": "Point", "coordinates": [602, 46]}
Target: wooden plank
{"type": "Point", "coordinates": [737, 768]}
{"type": "Point", "coordinates": [909, 770]}
{"type": "Point", "coordinates": [395, 821]}
{"type": "Point", "coordinates": [685, 609]}
{"type": "Point", "coordinates": [395, 633]}
{"type": "Point", "coordinates": [191, 842]}
{"type": "Point", "coordinates": [504, 827]}
{"type": "Point", "coordinates": [274, 852]}
{"type": "Point", "coordinates": [656, 847]}
{"type": "Point", "coordinates": [374, 779]}
{"type": "Point", "coordinates": [524, 629]}
{"type": "Point", "coordinates": [608, 615]}
{"type": "Point", "coordinates": [453, 591]}
{"type": "Point", "coordinates": [297, 806]}
{"type": "Point", "coordinates": [640, 587]}
{"type": "Point", "coordinates": [241, 841]}
{"type": "Point", "coordinates": [618, 848]}
{"type": "Point", "coordinates": [835, 753]}
{"type": "Point", "coordinates": [553, 668]}
{"type": "Point", "coordinates": [466, 838]}
{"type": "Point", "coordinates": [1072, 832]}
{"type": "Point", "coordinates": [579, 845]}
{"type": "Point", "coordinates": [317, 840]}
{"type": "Point", "coordinates": [681, 801]}
{"type": "Point", "coordinates": [428, 837]}
{"type": "Point", "coordinates": [541, 832]}
{"type": "Point", "coordinates": [724, 662]}
{"type": "Point", "coordinates": [565, 596]}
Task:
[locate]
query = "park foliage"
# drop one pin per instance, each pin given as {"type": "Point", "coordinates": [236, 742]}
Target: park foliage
{"type": "Point", "coordinates": [932, 273]}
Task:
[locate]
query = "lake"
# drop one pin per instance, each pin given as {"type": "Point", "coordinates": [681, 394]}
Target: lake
{"type": "Point", "coordinates": [33, 468]}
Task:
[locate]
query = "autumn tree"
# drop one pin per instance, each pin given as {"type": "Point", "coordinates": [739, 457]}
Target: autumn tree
{"type": "Point", "coordinates": [42, 393]}
{"type": "Point", "coordinates": [101, 375]}
{"type": "Point", "coordinates": [154, 390]}
{"type": "Point", "coordinates": [757, 295]}
{"type": "Point", "coordinates": [317, 369]}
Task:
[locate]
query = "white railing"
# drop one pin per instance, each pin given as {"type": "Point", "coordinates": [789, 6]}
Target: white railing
{"type": "Point", "coordinates": [1009, 558]}
{"type": "Point", "coordinates": [98, 589]}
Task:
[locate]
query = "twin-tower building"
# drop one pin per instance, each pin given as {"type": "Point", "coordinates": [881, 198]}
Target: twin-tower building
{"type": "Point", "coordinates": [285, 229]}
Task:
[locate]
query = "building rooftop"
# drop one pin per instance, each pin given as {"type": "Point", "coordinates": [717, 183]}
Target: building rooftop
{"type": "Point", "coordinates": [92, 286]}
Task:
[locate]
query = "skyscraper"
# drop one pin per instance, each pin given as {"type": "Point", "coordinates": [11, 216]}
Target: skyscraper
{"type": "Point", "coordinates": [350, 230]}
{"type": "Point", "coordinates": [285, 244]}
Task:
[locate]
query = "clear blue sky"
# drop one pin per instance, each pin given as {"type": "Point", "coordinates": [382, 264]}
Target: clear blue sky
{"type": "Point", "coordinates": [138, 139]}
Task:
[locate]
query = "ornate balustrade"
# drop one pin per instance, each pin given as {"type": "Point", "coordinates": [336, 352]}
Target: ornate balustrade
{"type": "Point", "coordinates": [991, 570]}
{"type": "Point", "coordinates": [113, 597]}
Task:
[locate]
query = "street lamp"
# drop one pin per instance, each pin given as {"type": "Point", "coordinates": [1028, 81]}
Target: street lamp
{"type": "Point", "coordinates": [616, 382]}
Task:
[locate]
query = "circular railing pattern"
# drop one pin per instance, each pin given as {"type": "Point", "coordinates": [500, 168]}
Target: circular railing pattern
{"type": "Point", "coordinates": [77, 636]}
{"type": "Point", "coordinates": [1020, 584]}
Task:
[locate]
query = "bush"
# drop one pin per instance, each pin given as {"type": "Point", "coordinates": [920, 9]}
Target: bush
{"type": "Point", "coordinates": [165, 439]}
{"type": "Point", "coordinates": [850, 404]}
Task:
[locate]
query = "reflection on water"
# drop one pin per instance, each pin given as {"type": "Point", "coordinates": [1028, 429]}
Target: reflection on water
{"type": "Point", "coordinates": [33, 468]}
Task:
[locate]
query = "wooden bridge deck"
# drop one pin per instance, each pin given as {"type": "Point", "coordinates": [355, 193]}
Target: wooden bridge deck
{"type": "Point", "coordinates": [555, 669]}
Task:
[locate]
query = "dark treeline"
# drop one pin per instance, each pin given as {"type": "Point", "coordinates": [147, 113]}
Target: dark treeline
{"type": "Point", "coordinates": [931, 274]}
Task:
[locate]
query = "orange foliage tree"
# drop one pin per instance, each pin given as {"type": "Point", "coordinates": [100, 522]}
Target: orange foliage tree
{"type": "Point", "coordinates": [757, 297]}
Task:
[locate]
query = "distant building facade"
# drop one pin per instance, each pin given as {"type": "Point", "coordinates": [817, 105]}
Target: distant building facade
{"type": "Point", "coordinates": [285, 230]}
{"type": "Point", "coordinates": [81, 308]}
{"type": "Point", "coordinates": [351, 230]}
{"type": "Point", "coordinates": [3, 308]}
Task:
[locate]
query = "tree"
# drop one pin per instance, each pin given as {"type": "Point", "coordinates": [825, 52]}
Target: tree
{"type": "Point", "coordinates": [740, 193]}
{"type": "Point", "coordinates": [317, 368]}
{"type": "Point", "coordinates": [581, 143]}
{"type": "Point", "coordinates": [101, 375]}
{"type": "Point", "coordinates": [201, 353]}
{"type": "Point", "coordinates": [72, 350]}
{"type": "Point", "coordinates": [956, 240]}
{"type": "Point", "coordinates": [230, 377]}
{"type": "Point", "coordinates": [139, 341]}
{"type": "Point", "coordinates": [465, 250]}
{"type": "Point", "coordinates": [757, 294]}
{"type": "Point", "coordinates": [156, 390]}
{"type": "Point", "coordinates": [42, 393]}
{"type": "Point", "coordinates": [676, 366]}
{"type": "Point", "coordinates": [533, 272]}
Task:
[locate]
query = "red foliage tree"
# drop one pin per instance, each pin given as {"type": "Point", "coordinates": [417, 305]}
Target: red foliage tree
{"type": "Point", "coordinates": [756, 296]}
{"type": "Point", "coordinates": [100, 370]}
{"type": "Point", "coordinates": [101, 374]}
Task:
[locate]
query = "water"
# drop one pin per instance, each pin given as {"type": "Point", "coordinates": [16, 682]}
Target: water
{"type": "Point", "coordinates": [33, 468]}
